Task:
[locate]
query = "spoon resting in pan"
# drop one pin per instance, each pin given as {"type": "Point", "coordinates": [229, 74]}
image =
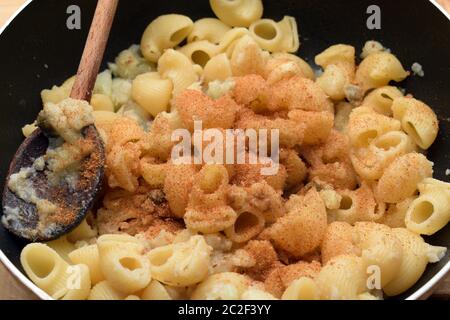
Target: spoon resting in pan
{"type": "Point", "coordinates": [57, 172]}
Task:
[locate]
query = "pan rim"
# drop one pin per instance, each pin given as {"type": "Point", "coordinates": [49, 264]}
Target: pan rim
{"type": "Point", "coordinates": [420, 293]}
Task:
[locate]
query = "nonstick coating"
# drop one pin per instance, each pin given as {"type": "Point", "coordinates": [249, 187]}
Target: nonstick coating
{"type": "Point", "coordinates": [38, 51]}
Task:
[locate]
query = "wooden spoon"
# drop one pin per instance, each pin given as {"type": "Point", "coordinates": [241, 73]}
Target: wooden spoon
{"type": "Point", "coordinates": [20, 217]}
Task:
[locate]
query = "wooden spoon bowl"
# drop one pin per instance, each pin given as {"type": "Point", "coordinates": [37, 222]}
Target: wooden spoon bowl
{"type": "Point", "coordinates": [74, 202]}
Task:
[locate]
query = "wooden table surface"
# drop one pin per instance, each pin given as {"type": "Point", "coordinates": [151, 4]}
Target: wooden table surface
{"type": "Point", "coordinates": [11, 289]}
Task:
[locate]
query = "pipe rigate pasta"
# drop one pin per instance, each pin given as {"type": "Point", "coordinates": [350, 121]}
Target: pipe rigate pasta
{"type": "Point", "coordinates": [401, 178]}
{"type": "Point", "coordinates": [239, 13]}
{"type": "Point", "coordinates": [208, 211]}
{"type": "Point", "coordinates": [257, 294]}
{"type": "Point", "coordinates": [276, 36]}
{"type": "Point", "coordinates": [416, 255]}
{"type": "Point", "coordinates": [282, 57]}
{"type": "Point", "coordinates": [300, 231]}
{"type": "Point", "coordinates": [302, 289]}
{"type": "Point", "coordinates": [248, 57]}
{"type": "Point", "coordinates": [104, 291]}
{"type": "Point", "coordinates": [82, 284]}
{"type": "Point", "coordinates": [371, 162]}
{"type": "Point", "coordinates": [200, 52]}
{"type": "Point", "coordinates": [267, 33]}
{"type": "Point", "coordinates": [181, 264]}
{"type": "Point", "coordinates": [418, 120]}
{"type": "Point", "coordinates": [88, 255]}
{"type": "Point", "coordinates": [429, 212]}
{"type": "Point", "coordinates": [210, 29]}
{"type": "Point", "coordinates": [378, 69]}
{"type": "Point", "coordinates": [365, 125]}
{"type": "Point", "coordinates": [177, 67]}
{"type": "Point", "coordinates": [164, 32]}
{"type": "Point", "coordinates": [248, 224]}
{"type": "Point", "coordinates": [177, 187]}
{"type": "Point", "coordinates": [152, 92]}
{"type": "Point", "coordinates": [382, 99]}
{"type": "Point", "coordinates": [46, 269]}
{"type": "Point", "coordinates": [123, 265]}
{"type": "Point", "coordinates": [222, 286]}
{"type": "Point", "coordinates": [218, 68]}
{"type": "Point", "coordinates": [339, 66]}
{"type": "Point", "coordinates": [340, 239]}
{"type": "Point", "coordinates": [342, 278]}
{"type": "Point", "coordinates": [156, 291]}
{"type": "Point", "coordinates": [380, 248]}
{"type": "Point", "coordinates": [358, 205]}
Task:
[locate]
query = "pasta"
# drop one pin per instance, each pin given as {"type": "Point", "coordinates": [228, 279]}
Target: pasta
{"type": "Point", "coordinates": [416, 255]}
{"type": "Point", "coordinates": [340, 239]}
{"type": "Point", "coordinates": [62, 246]}
{"type": "Point", "coordinates": [378, 69]}
{"type": "Point", "coordinates": [177, 186]}
{"type": "Point", "coordinates": [301, 231]}
{"type": "Point", "coordinates": [82, 284]}
{"type": "Point", "coordinates": [222, 286]}
{"type": "Point", "coordinates": [382, 99]}
{"type": "Point", "coordinates": [155, 291]}
{"type": "Point", "coordinates": [342, 278]}
{"type": "Point", "coordinates": [358, 205]}
{"type": "Point", "coordinates": [101, 102]}
{"type": "Point", "coordinates": [302, 289]}
{"type": "Point", "coordinates": [247, 226]}
{"type": "Point", "coordinates": [179, 69]}
{"type": "Point", "coordinates": [429, 212]}
{"type": "Point", "coordinates": [339, 66]}
{"type": "Point", "coordinates": [200, 52]}
{"type": "Point", "coordinates": [400, 180]}
{"type": "Point", "coordinates": [88, 255]}
{"type": "Point", "coordinates": [209, 29]}
{"type": "Point", "coordinates": [207, 210]}
{"type": "Point", "coordinates": [256, 294]}
{"type": "Point", "coordinates": [276, 37]}
{"type": "Point", "coordinates": [83, 232]}
{"type": "Point", "coordinates": [217, 68]}
{"type": "Point", "coordinates": [152, 93]}
{"type": "Point", "coordinates": [104, 291]}
{"type": "Point", "coordinates": [267, 33]}
{"type": "Point", "coordinates": [418, 120]}
{"type": "Point", "coordinates": [164, 32]}
{"type": "Point", "coordinates": [239, 13]}
{"type": "Point", "coordinates": [248, 58]}
{"type": "Point", "coordinates": [235, 171]}
{"type": "Point", "coordinates": [46, 269]}
{"type": "Point", "coordinates": [181, 264]}
{"type": "Point", "coordinates": [123, 265]}
{"type": "Point", "coordinates": [365, 125]}
{"type": "Point", "coordinates": [380, 248]}
{"type": "Point", "coordinates": [306, 69]}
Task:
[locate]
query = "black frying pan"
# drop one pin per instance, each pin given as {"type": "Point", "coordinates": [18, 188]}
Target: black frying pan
{"type": "Point", "coordinates": [37, 51]}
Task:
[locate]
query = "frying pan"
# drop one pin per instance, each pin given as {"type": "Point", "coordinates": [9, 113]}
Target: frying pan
{"type": "Point", "coordinates": [38, 51]}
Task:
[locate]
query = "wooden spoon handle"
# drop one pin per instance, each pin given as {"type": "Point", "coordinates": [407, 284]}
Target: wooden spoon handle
{"type": "Point", "coordinates": [94, 49]}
